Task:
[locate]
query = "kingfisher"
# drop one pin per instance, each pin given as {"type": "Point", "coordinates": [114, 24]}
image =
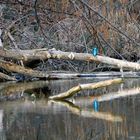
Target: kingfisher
{"type": "Point", "coordinates": [95, 51]}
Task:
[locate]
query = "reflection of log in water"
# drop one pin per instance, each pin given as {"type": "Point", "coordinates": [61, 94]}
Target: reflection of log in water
{"type": "Point", "coordinates": [107, 97]}
{"type": "Point", "coordinates": [89, 113]}
{"type": "Point", "coordinates": [12, 87]}
{"type": "Point", "coordinates": [47, 105]}
{"type": "Point", "coordinates": [119, 94]}
{"type": "Point", "coordinates": [25, 115]}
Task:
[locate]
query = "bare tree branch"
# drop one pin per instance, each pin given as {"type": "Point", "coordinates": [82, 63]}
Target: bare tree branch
{"type": "Point", "coordinates": [111, 24]}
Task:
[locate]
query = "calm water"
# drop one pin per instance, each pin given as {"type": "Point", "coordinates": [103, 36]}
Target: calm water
{"type": "Point", "coordinates": [26, 113]}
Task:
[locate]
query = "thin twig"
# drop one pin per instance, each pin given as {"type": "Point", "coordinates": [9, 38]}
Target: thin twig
{"type": "Point", "coordinates": [14, 43]}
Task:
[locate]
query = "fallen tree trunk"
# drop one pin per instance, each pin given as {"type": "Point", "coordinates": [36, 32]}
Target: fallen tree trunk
{"type": "Point", "coordinates": [7, 77]}
{"type": "Point", "coordinates": [44, 54]}
{"type": "Point", "coordinates": [9, 66]}
{"type": "Point", "coordinates": [78, 88]}
{"type": "Point", "coordinates": [20, 69]}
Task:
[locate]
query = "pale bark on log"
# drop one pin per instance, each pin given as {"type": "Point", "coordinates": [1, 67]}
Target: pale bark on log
{"type": "Point", "coordinates": [44, 54]}
{"type": "Point", "coordinates": [6, 77]}
{"type": "Point", "coordinates": [20, 69]}
{"type": "Point", "coordinates": [25, 55]}
{"type": "Point", "coordinates": [80, 87]}
{"type": "Point", "coordinates": [9, 66]}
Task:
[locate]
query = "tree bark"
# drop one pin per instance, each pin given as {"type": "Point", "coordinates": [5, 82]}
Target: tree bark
{"type": "Point", "coordinates": [20, 69]}
{"type": "Point", "coordinates": [78, 88]}
{"type": "Point", "coordinates": [7, 77]}
{"type": "Point", "coordinates": [44, 54]}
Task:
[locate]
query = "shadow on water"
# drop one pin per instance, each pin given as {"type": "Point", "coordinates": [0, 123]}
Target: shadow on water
{"type": "Point", "coordinates": [27, 114]}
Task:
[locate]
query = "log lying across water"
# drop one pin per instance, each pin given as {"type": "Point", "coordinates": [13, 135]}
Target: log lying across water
{"type": "Point", "coordinates": [44, 54]}
{"type": "Point", "coordinates": [80, 87]}
{"type": "Point", "coordinates": [11, 67]}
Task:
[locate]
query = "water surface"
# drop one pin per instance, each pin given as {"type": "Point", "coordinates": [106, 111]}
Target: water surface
{"type": "Point", "coordinates": [27, 114]}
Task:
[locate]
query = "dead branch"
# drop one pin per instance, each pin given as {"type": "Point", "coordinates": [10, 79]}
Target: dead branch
{"type": "Point", "coordinates": [111, 24]}
{"type": "Point", "coordinates": [12, 39]}
{"type": "Point", "coordinates": [14, 43]}
{"type": "Point", "coordinates": [6, 77]}
{"type": "Point", "coordinates": [44, 54]}
{"type": "Point", "coordinates": [80, 87]}
{"type": "Point", "coordinates": [9, 66]}
{"type": "Point", "coordinates": [19, 69]}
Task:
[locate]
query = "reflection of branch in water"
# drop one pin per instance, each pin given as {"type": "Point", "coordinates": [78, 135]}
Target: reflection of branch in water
{"type": "Point", "coordinates": [119, 94]}
{"type": "Point", "coordinates": [72, 107]}
{"type": "Point", "coordinates": [107, 97]}
{"type": "Point", "coordinates": [89, 113]}
{"type": "Point", "coordinates": [9, 88]}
